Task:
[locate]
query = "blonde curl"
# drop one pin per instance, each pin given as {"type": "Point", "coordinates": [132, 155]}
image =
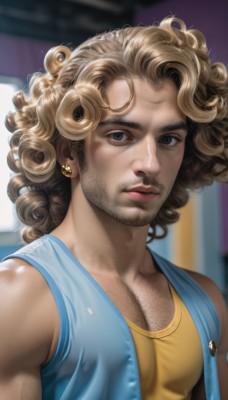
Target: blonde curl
{"type": "Point", "coordinates": [87, 100]}
{"type": "Point", "coordinates": [39, 163]}
{"type": "Point", "coordinates": [56, 58]}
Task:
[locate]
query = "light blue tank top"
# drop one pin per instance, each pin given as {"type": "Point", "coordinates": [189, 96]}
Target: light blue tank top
{"type": "Point", "coordinates": [95, 358]}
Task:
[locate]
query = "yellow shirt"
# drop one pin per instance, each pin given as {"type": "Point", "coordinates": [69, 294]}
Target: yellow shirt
{"type": "Point", "coordinates": [170, 360]}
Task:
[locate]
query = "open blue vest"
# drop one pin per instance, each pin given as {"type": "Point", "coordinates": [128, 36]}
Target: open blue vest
{"type": "Point", "coordinates": [95, 358]}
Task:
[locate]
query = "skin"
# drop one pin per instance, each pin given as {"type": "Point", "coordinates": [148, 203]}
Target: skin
{"type": "Point", "coordinates": [132, 161]}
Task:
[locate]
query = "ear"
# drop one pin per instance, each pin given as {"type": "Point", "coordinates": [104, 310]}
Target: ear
{"type": "Point", "coordinates": [64, 156]}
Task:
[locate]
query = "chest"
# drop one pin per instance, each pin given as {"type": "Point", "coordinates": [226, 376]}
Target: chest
{"type": "Point", "coordinates": [166, 364]}
{"type": "Point", "coordinates": [147, 301]}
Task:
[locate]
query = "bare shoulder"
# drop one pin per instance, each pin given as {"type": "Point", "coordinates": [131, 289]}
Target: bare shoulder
{"type": "Point", "coordinates": [26, 304]}
{"type": "Point", "coordinates": [217, 297]}
{"type": "Point", "coordinates": [209, 286]}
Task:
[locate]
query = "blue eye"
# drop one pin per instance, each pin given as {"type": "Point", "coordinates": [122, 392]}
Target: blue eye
{"type": "Point", "coordinates": [169, 140]}
{"type": "Point", "coordinates": [118, 136]}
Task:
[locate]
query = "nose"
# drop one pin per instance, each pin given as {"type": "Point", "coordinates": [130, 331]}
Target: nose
{"type": "Point", "coordinates": [146, 159]}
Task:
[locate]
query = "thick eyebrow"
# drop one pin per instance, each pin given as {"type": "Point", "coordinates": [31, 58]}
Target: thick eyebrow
{"type": "Point", "coordinates": [175, 127]}
{"type": "Point", "coordinates": [181, 125]}
{"type": "Point", "coordinates": [122, 122]}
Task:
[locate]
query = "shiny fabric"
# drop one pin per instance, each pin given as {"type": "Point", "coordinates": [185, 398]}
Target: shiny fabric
{"type": "Point", "coordinates": [94, 363]}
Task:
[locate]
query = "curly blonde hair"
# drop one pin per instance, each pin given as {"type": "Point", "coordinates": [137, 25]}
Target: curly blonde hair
{"type": "Point", "coordinates": [68, 100]}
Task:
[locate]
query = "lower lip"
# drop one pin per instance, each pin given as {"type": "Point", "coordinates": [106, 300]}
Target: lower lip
{"type": "Point", "coordinates": [139, 196]}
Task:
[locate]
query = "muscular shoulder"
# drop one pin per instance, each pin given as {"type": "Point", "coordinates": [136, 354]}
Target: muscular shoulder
{"type": "Point", "coordinates": [217, 297]}
{"type": "Point", "coordinates": [15, 272]}
{"type": "Point", "coordinates": [207, 284]}
{"type": "Point", "coordinates": [20, 281]}
{"type": "Point", "coordinates": [26, 304]}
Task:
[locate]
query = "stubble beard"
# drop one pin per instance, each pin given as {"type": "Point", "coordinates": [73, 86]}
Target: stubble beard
{"type": "Point", "coordinates": [97, 197]}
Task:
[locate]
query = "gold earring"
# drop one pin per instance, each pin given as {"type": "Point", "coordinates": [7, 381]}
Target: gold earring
{"type": "Point", "coordinates": [66, 170]}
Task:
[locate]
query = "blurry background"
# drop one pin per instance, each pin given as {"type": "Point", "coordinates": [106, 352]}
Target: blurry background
{"type": "Point", "coordinates": [66, 20]}
{"type": "Point", "coordinates": [29, 28]}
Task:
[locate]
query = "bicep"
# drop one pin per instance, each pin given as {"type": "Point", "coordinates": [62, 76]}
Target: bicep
{"type": "Point", "coordinates": [24, 340]}
{"type": "Point", "coordinates": [218, 299]}
{"type": "Point", "coordinates": [223, 350]}
{"type": "Point", "coordinates": [19, 376]}
{"type": "Point", "coordinates": [223, 375]}
{"type": "Point", "coordinates": [21, 385]}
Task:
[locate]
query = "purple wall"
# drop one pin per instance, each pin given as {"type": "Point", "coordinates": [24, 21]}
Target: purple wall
{"type": "Point", "coordinates": [211, 17]}
{"type": "Point", "coordinates": [21, 57]}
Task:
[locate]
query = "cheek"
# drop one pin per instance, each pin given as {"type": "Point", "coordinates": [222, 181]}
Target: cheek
{"type": "Point", "coordinates": [176, 166]}
{"type": "Point", "coordinates": [106, 161]}
{"type": "Point", "coordinates": [100, 166]}
{"type": "Point", "coordinates": [172, 167]}
{"type": "Point", "coordinates": [99, 156]}
{"type": "Point", "coordinates": [178, 159]}
{"type": "Point", "coordinates": [178, 163]}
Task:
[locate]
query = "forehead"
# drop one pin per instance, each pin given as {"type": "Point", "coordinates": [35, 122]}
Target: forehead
{"type": "Point", "coordinates": [148, 97]}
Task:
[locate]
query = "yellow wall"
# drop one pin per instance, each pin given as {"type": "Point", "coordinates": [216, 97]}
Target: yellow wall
{"type": "Point", "coordinates": [184, 237]}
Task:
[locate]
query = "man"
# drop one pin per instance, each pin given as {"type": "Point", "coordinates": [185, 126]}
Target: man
{"type": "Point", "coordinates": [105, 149]}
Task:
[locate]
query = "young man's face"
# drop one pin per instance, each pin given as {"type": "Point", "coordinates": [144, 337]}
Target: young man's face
{"type": "Point", "coordinates": [132, 159]}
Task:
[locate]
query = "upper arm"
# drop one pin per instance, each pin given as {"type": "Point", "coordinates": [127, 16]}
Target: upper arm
{"type": "Point", "coordinates": [26, 334]}
{"type": "Point", "coordinates": [223, 347]}
{"type": "Point", "coordinates": [213, 291]}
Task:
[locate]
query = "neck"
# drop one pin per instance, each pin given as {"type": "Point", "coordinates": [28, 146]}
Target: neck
{"type": "Point", "coordinates": [102, 243]}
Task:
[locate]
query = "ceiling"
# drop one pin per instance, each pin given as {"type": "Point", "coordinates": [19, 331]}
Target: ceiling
{"type": "Point", "coordinates": [64, 21]}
